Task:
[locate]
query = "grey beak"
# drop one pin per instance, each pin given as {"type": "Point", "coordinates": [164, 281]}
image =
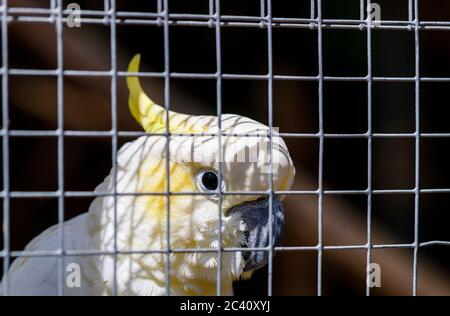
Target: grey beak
{"type": "Point", "coordinates": [255, 215]}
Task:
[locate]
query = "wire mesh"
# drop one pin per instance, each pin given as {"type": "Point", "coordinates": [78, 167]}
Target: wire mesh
{"type": "Point", "coordinates": [57, 15]}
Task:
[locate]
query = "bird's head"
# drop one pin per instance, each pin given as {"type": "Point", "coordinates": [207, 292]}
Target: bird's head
{"type": "Point", "coordinates": [237, 168]}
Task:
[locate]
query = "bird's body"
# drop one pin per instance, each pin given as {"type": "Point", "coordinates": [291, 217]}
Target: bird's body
{"type": "Point", "coordinates": [128, 234]}
{"type": "Point", "coordinates": [84, 233]}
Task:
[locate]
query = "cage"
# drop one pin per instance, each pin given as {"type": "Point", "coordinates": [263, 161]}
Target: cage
{"type": "Point", "coordinates": [357, 89]}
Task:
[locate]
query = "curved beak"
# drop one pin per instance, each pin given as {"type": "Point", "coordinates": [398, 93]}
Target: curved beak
{"type": "Point", "coordinates": [255, 216]}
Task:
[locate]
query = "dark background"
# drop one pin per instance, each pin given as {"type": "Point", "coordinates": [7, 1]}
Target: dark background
{"type": "Point", "coordinates": [33, 106]}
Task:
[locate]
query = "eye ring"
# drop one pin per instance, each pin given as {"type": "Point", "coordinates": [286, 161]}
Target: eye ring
{"type": "Point", "coordinates": [208, 181]}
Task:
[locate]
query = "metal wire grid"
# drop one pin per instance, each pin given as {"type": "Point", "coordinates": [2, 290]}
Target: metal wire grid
{"type": "Point", "coordinates": [56, 15]}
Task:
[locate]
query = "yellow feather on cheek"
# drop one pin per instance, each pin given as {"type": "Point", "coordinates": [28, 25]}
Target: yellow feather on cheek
{"type": "Point", "coordinates": [193, 218]}
{"type": "Point", "coordinates": [153, 178]}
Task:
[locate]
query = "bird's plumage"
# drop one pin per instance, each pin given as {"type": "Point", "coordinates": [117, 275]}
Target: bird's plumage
{"type": "Point", "coordinates": [141, 220]}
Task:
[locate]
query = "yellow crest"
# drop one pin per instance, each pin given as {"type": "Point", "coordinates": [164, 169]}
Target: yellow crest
{"type": "Point", "coordinates": [150, 115]}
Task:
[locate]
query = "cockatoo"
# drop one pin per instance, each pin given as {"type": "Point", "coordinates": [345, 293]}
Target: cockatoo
{"type": "Point", "coordinates": [141, 220]}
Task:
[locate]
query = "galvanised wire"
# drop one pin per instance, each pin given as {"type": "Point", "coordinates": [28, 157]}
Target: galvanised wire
{"type": "Point", "coordinates": [417, 143]}
{"type": "Point", "coordinates": [321, 145]}
{"type": "Point", "coordinates": [58, 6]}
{"type": "Point", "coordinates": [369, 146]}
{"type": "Point", "coordinates": [218, 43]}
{"type": "Point", "coordinates": [165, 7]}
{"type": "Point", "coordinates": [270, 125]}
{"type": "Point", "coordinates": [5, 147]}
{"type": "Point", "coordinates": [56, 15]}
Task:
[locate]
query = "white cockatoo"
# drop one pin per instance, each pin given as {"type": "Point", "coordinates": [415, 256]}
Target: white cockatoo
{"type": "Point", "coordinates": [141, 220]}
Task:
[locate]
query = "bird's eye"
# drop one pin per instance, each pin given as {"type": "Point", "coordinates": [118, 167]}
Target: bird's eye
{"type": "Point", "coordinates": [208, 180]}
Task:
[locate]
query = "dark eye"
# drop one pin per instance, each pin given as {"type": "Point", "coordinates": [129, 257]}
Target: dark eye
{"type": "Point", "coordinates": [208, 180]}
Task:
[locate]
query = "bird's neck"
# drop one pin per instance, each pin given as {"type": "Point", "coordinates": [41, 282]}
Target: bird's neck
{"type": "Point", "coordinates": [146, 276]}
{"type": "Point", "coordinates": [191, 273]}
